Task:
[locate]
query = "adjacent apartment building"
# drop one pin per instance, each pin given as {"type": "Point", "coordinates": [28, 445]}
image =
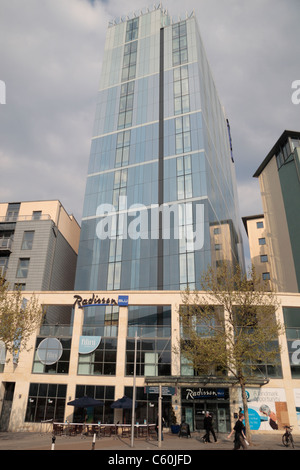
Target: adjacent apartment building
{"type": "Point", "coordinates": [259, 245]}
{"type": "Point", "coordinates": [274, 236]}
{"type": "Point", "coordinates": [38, 245]}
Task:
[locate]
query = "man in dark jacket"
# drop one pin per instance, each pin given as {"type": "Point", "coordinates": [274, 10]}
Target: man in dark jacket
{"type": "Point", "coordinates": [208, 427]}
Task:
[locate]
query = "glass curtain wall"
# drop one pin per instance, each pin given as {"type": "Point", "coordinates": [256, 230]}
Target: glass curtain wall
{"type": "Point", "coordinates": [160, 141]}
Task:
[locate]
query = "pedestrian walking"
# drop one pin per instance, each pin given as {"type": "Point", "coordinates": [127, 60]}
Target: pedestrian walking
{"type": "Point", "coordinates": [239, 437]}
{"type": "Point", "coordinates": [208, 426]}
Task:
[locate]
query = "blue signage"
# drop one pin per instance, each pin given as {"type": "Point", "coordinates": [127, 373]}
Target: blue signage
{"type": "Point", "coordinates": [164, 390]}
{"type": "Point", "coordinates": [254, 419]}
{"type": "Point", "coordinates": [123, 300]}
{"type": "Point", "coordinates": [88, 344]}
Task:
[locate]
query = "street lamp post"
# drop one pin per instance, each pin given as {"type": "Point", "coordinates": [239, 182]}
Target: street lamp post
{"type": "Point", "coordinates": [159, 416]}
{"type": "Point", "coordinates": [134, 391]}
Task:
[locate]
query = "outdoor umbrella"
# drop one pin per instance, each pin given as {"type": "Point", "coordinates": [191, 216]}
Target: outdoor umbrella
{"type": "Point", "coordinates": [125, 403]}
{"type": "Point", "coordinates": [85, 402]}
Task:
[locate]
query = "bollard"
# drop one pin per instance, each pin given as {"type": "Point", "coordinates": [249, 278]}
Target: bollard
{"type": "Point", "coordinates": [94, 441]}
{"type": "Point", "coordinates": [53, 442]}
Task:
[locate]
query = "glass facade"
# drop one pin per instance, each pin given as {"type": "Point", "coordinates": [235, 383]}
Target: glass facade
{"type": "Point", "coordinates": [46, 402]}
{"type": "Point", "coordinates": [153, 327]}
{"type": "Point", "coordinates": [292, 326]}
{"type": "Point", "coordinates": [160, 201]}
{"type": "Point", "coordinates": [103, 413]}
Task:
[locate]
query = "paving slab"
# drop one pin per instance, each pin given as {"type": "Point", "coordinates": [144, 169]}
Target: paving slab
{"type": "Point", "coordinates": [43, 441]}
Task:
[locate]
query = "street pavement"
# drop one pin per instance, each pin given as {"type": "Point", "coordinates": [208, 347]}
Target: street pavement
{"type": "Point", "coordinates": [22, 441]}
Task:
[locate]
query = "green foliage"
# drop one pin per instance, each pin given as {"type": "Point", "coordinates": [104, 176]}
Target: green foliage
{"type": "Point", "coordinates": [173, 418]}
{"type": "Point", "coordinates": [230, 326]}
{"type": "Point", "coordinates": [19, 318]}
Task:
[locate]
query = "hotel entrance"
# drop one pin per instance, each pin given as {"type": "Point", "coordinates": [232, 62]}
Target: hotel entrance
{"type": "Point", "coordinates": [196, 401]}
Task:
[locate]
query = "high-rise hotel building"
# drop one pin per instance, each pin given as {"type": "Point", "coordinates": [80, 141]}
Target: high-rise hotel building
{"type": "Point", "coordinates": [160, 201]}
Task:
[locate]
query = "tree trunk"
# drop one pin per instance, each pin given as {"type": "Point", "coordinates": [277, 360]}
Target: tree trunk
{"type": "Point", "coordinates": [246, 413]}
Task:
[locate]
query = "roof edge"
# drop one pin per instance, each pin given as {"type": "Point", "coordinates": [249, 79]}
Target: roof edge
{"type": "Point", "coordinates": [274, 149]}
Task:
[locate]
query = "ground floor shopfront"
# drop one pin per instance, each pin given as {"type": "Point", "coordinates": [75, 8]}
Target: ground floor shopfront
{"type": "Point", "coordinates": [97, 357]}
{"type": "Point", "coordinates": [43, 398]}
{"type": "Point", "coordinates": [195, 402]}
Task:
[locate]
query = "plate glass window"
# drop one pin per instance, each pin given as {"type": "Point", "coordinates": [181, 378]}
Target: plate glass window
{"type": "Point", "coordinates": [27, 240]}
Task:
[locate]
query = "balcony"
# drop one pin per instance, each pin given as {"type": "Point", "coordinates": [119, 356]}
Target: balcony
{"type": "Point", "coordinates": [22, 218]}
{"type": "Point", "coordinates": [6, 246]}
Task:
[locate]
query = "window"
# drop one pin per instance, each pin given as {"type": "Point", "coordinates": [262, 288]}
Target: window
{"type": "Point", "coordinates": [184, 177]}
{"type": "Point", "coordinates": [181, 90]}
{"type": "Point", "coordinates": [27, 240]}
{"type": "Point", "coordinates": [23, 266]}
{"type": "Point", "coordinates": [102, 361]}
{"type": "Point", "coordinates": [187, 270]}
{"type": "Point", "coordinates": [179, 43]}
{"type": "Point", "coordinates": [186, 247]}
{"type": "Point", "coordinates": [103, 414]}
{"type": "Point", "coordinates": [3, 265]}
{"type": "Point", "coordinates": [149, 322]}
{"type": "Point", "coordinates": [46, 402]}
{"type": "Point", "coordinates": [129, 61]}
{"type": "Point", "coordinates": [153, 357]}
{"type": "Point", "coordinates": [295, 143]}
{"type": "Point", "coordinates": [126, 105]}
{"type": "Point", "coordinates": [132, 29]}
{"type": "Point", "coordinates": [12, 212]}
{"type": "Point", "coordinates": [5, 241]}
{"type": "Point", "coordinates": [263, 258]}
{"type": "Point", "coordinates": [114, 276]}
{"type": "Point", "coordinates": [19, 286]}
{"type": "Point", "coordinates": [122, 150]}
{"type": "Point", "coordinates": [262, 241]}
{"type": "Point", "coordinates": [61, 366]}
{"type": "Point", "coordinates": [266, 276]}
{"type": "Point", "coordinates": [283, 154]}
{"type": "Point", "coordinates": [260, 224]}
{"type": "Point", "coordinates": [101, 321]}
{"type": "Point", "coordinates": [183, 134]}
{"type": "Point", "coordinates": [147, 406]}
{"type": "Point", "coordinates": [36, 215]}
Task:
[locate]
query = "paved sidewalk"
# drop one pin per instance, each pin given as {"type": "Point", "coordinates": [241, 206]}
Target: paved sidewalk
{"type": "Point", "coordinates": [38, 441]}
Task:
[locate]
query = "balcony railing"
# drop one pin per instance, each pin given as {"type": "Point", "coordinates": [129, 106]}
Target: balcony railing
{"type": "Point", "coordinates": [6, 244]}
{"type": "Point", "coordinates": [22, 218]}
{"type": "Point", "coordinates": [56, 330]}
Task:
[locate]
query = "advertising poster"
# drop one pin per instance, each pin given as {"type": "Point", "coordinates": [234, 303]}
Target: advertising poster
{"type": "Point", "coordinates": [297, 404]}
{"type": "Point", "coordinates": [267, 408]}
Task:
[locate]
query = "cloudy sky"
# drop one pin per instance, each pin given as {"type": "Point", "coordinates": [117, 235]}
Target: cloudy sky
{"type": "Point", "coordinates": [50, 61]}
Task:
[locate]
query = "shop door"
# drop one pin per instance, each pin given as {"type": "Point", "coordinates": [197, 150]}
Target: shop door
{"type": "Point", "coordinates": [222, 420]}
{"type": "Point", "coordinates": [7, 405]}
{"type": "Point", "coordinates": [189, 417]}
{"type": "Point", "coordinates": [199, 416]}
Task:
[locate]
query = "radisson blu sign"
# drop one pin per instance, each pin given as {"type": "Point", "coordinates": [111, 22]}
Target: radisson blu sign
{"type": "Point", "coordinates": [97, 301]}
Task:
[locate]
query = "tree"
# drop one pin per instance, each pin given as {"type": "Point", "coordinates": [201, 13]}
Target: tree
{"type": "Point", "coordinates": [19, 318]}
{"type": "Point", "coordinates": [230, 327]}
